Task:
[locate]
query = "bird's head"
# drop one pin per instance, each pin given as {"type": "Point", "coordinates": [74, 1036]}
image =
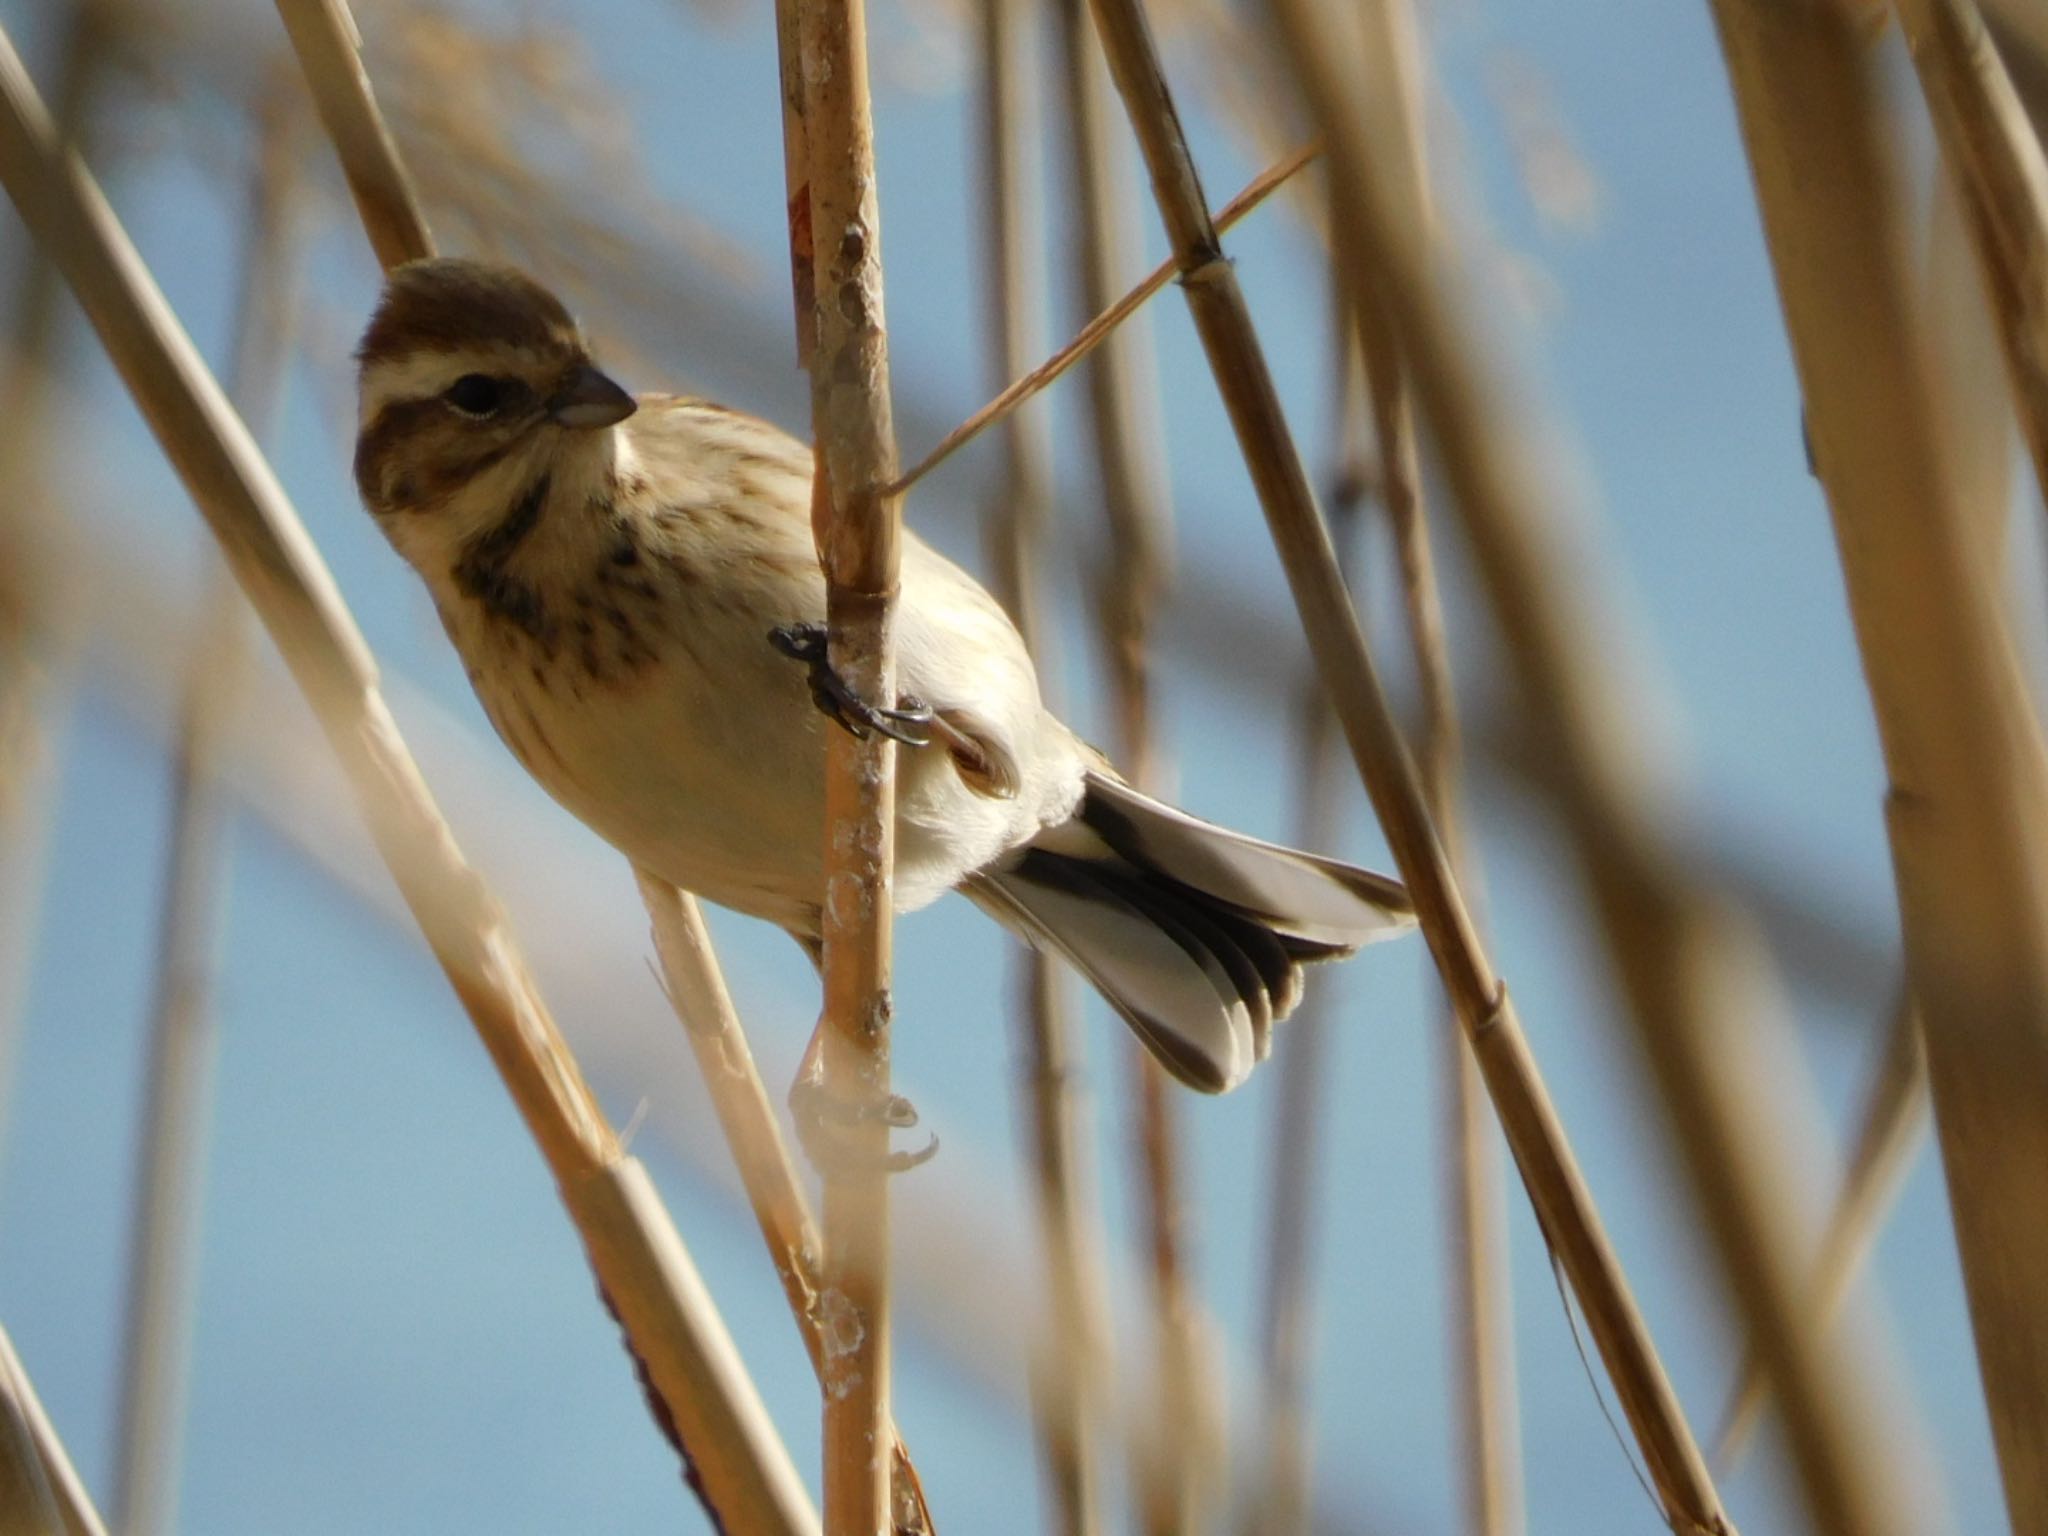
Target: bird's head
{"type": "Point", "coordinates": [473, 380]}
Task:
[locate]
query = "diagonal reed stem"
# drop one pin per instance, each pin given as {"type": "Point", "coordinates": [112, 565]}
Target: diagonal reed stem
{"type": "Point", "coordinates": [639, 1259]}
{"type": "Point", "coordinates": [1477, 994]}
{"type": "Point", "coordinates": [1099, 329]}
{"type": "Point", "coordinates": [1888, 1133]}
{"type": "Point", "coordinates": [41, 1493]}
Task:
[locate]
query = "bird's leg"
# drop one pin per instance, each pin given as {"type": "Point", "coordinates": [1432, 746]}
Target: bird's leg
{"type": "Point", "coordinates": [909, 722]}
{"type": "Point", "coordinates": [825, 1114]}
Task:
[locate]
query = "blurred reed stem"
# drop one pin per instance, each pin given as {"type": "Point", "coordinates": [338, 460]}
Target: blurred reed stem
{"type": "Point", "coordinates": [1482, 1317]}
{"type": "Point", "coordinates": [183, 1032]}
{"type": "Point", "coordinates": [639, 1259]}
{"type": "Point", "coordinates": [2002, 177]}
{"type": "Point", "coordinates": [1967, 807]}
{"type": "Point", "coordinates": [1280, 1503]}
{"type": "Point", "coordinates": [35, 630]}
{"type": "Point", "coordinates": [1066, 1383]}
{"type": "Point", "coordinates": [41, 1493]}
{"type": "Point", "coordinates": [1480, 998]}
{"type": "Point", "coordinates": [1887, 1135]}
{"type": "Point", "coordinates": [858, 523]}
{"type": "Point", "coordinates": [1178, 1462]}
{"type": "Point", "coordinates": [1695, 984]}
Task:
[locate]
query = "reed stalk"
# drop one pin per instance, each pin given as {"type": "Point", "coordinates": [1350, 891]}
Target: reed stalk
{"type": "Point", "coordinates": [1478, 995]}
{"type": "Point", "coordinates": [41, 1493]}
{"type": "Point", "coordinates": [2002, 177]}
{"type": "Point", "coordinates": [183, 1037]}
{"type": "Point", "coordinates": [640, 1262]}
{"type": "Point", "coordinates": [858, 523]}
{"type": "Point", "coordinates": [1066, 1384]}
{"type": "Point", "coordinates": [1962, 748]}
{"type": "Point", "coordinates": [1684, 966]}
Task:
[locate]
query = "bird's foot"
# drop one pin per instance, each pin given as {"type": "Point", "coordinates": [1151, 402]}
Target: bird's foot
{"type": "Point", "coordinates": [828, 1122]}
{"type": "Point", "coordinates": [910, 722]}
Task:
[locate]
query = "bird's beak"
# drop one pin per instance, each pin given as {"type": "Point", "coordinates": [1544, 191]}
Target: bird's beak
{"type": "Point", "coordinates": [589, 398]}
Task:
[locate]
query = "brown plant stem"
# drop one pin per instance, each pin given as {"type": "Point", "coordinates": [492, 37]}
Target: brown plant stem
{"type": "Point", "coordinates": [1097, 330]}
{"type": "Point", "coordinates": [1066, 1390]}
{"type": "Point", "coordinates": [1888, 1133]}
{"type": "Point", "coordinates": [1476, 991]}
{"type": "Point", "coordinates": [858, 523]}
{"type": "Point", "coordinates": [1692, 979]}
{"type": "Point", "coordinates": [638, 1258]}
{"type": "Point", "coordinates": [1967, 806]}
{"type": "Point", "coordinates": [182, 1033]}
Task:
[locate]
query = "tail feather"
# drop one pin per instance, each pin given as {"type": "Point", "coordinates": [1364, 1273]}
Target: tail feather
{"type": "Point", "coordinates": [1196, 935]}
{"type": "Point", "coordinates": [1324, 904]}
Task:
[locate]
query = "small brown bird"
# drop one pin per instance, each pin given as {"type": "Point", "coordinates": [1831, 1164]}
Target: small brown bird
{"type": "Point", "coordinates": [633, 588]}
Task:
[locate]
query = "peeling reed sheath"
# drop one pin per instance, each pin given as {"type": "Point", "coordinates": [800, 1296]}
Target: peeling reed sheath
{"type": "Point", "coordinates": [1482, 1315]}
{"type": "Point", "coordinates": [2001, 174]}
{"type": "Point", "coordinates": [639, 1258]}
{"type": "Point", "coordinates": [1967, 808]}
{"type": "Point", "coordinates": [1476, 992]}
{"type": "Point", "coordinates": [858, 525]}
{"type": "Point", "coordinates": [183, 1035]}
{"type": "Point", "coordinates": [1694, 980]}
{"type": "Point", "coordinates": [1066, 1390]}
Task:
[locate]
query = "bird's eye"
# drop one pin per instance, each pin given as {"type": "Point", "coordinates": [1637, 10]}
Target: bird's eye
{"type": "Point", "coordinates": [478, 394]}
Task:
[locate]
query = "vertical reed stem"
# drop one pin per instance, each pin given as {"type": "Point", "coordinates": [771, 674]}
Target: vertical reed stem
{"type": "Point", "coordinates": [1482, 1318]}
{"type": "Point", "coordinates": [1967, 803]}
{"type": "Point", "coordinates": [183, 1035]}
{"type": "Point", "coordinates": [858, 529]}
{"type": "Point", "coordinates": [1065, 1387]}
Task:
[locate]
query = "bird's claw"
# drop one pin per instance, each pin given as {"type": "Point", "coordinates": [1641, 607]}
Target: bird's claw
{"type": "Point", "coordinates": [909, 723]}
{"type": "Point", "coordinates": [824, 1118]}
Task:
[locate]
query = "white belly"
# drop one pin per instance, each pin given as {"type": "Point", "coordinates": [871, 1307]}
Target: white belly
{"type": "Point", "coordinates": [719, 788]}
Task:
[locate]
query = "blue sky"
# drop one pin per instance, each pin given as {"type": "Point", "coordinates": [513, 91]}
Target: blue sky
{"type": "Point", "coordinates": [395, 1329]}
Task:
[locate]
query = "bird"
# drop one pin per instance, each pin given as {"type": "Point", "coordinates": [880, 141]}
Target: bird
{"type": "Point", "coordinates": [632, 585]}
